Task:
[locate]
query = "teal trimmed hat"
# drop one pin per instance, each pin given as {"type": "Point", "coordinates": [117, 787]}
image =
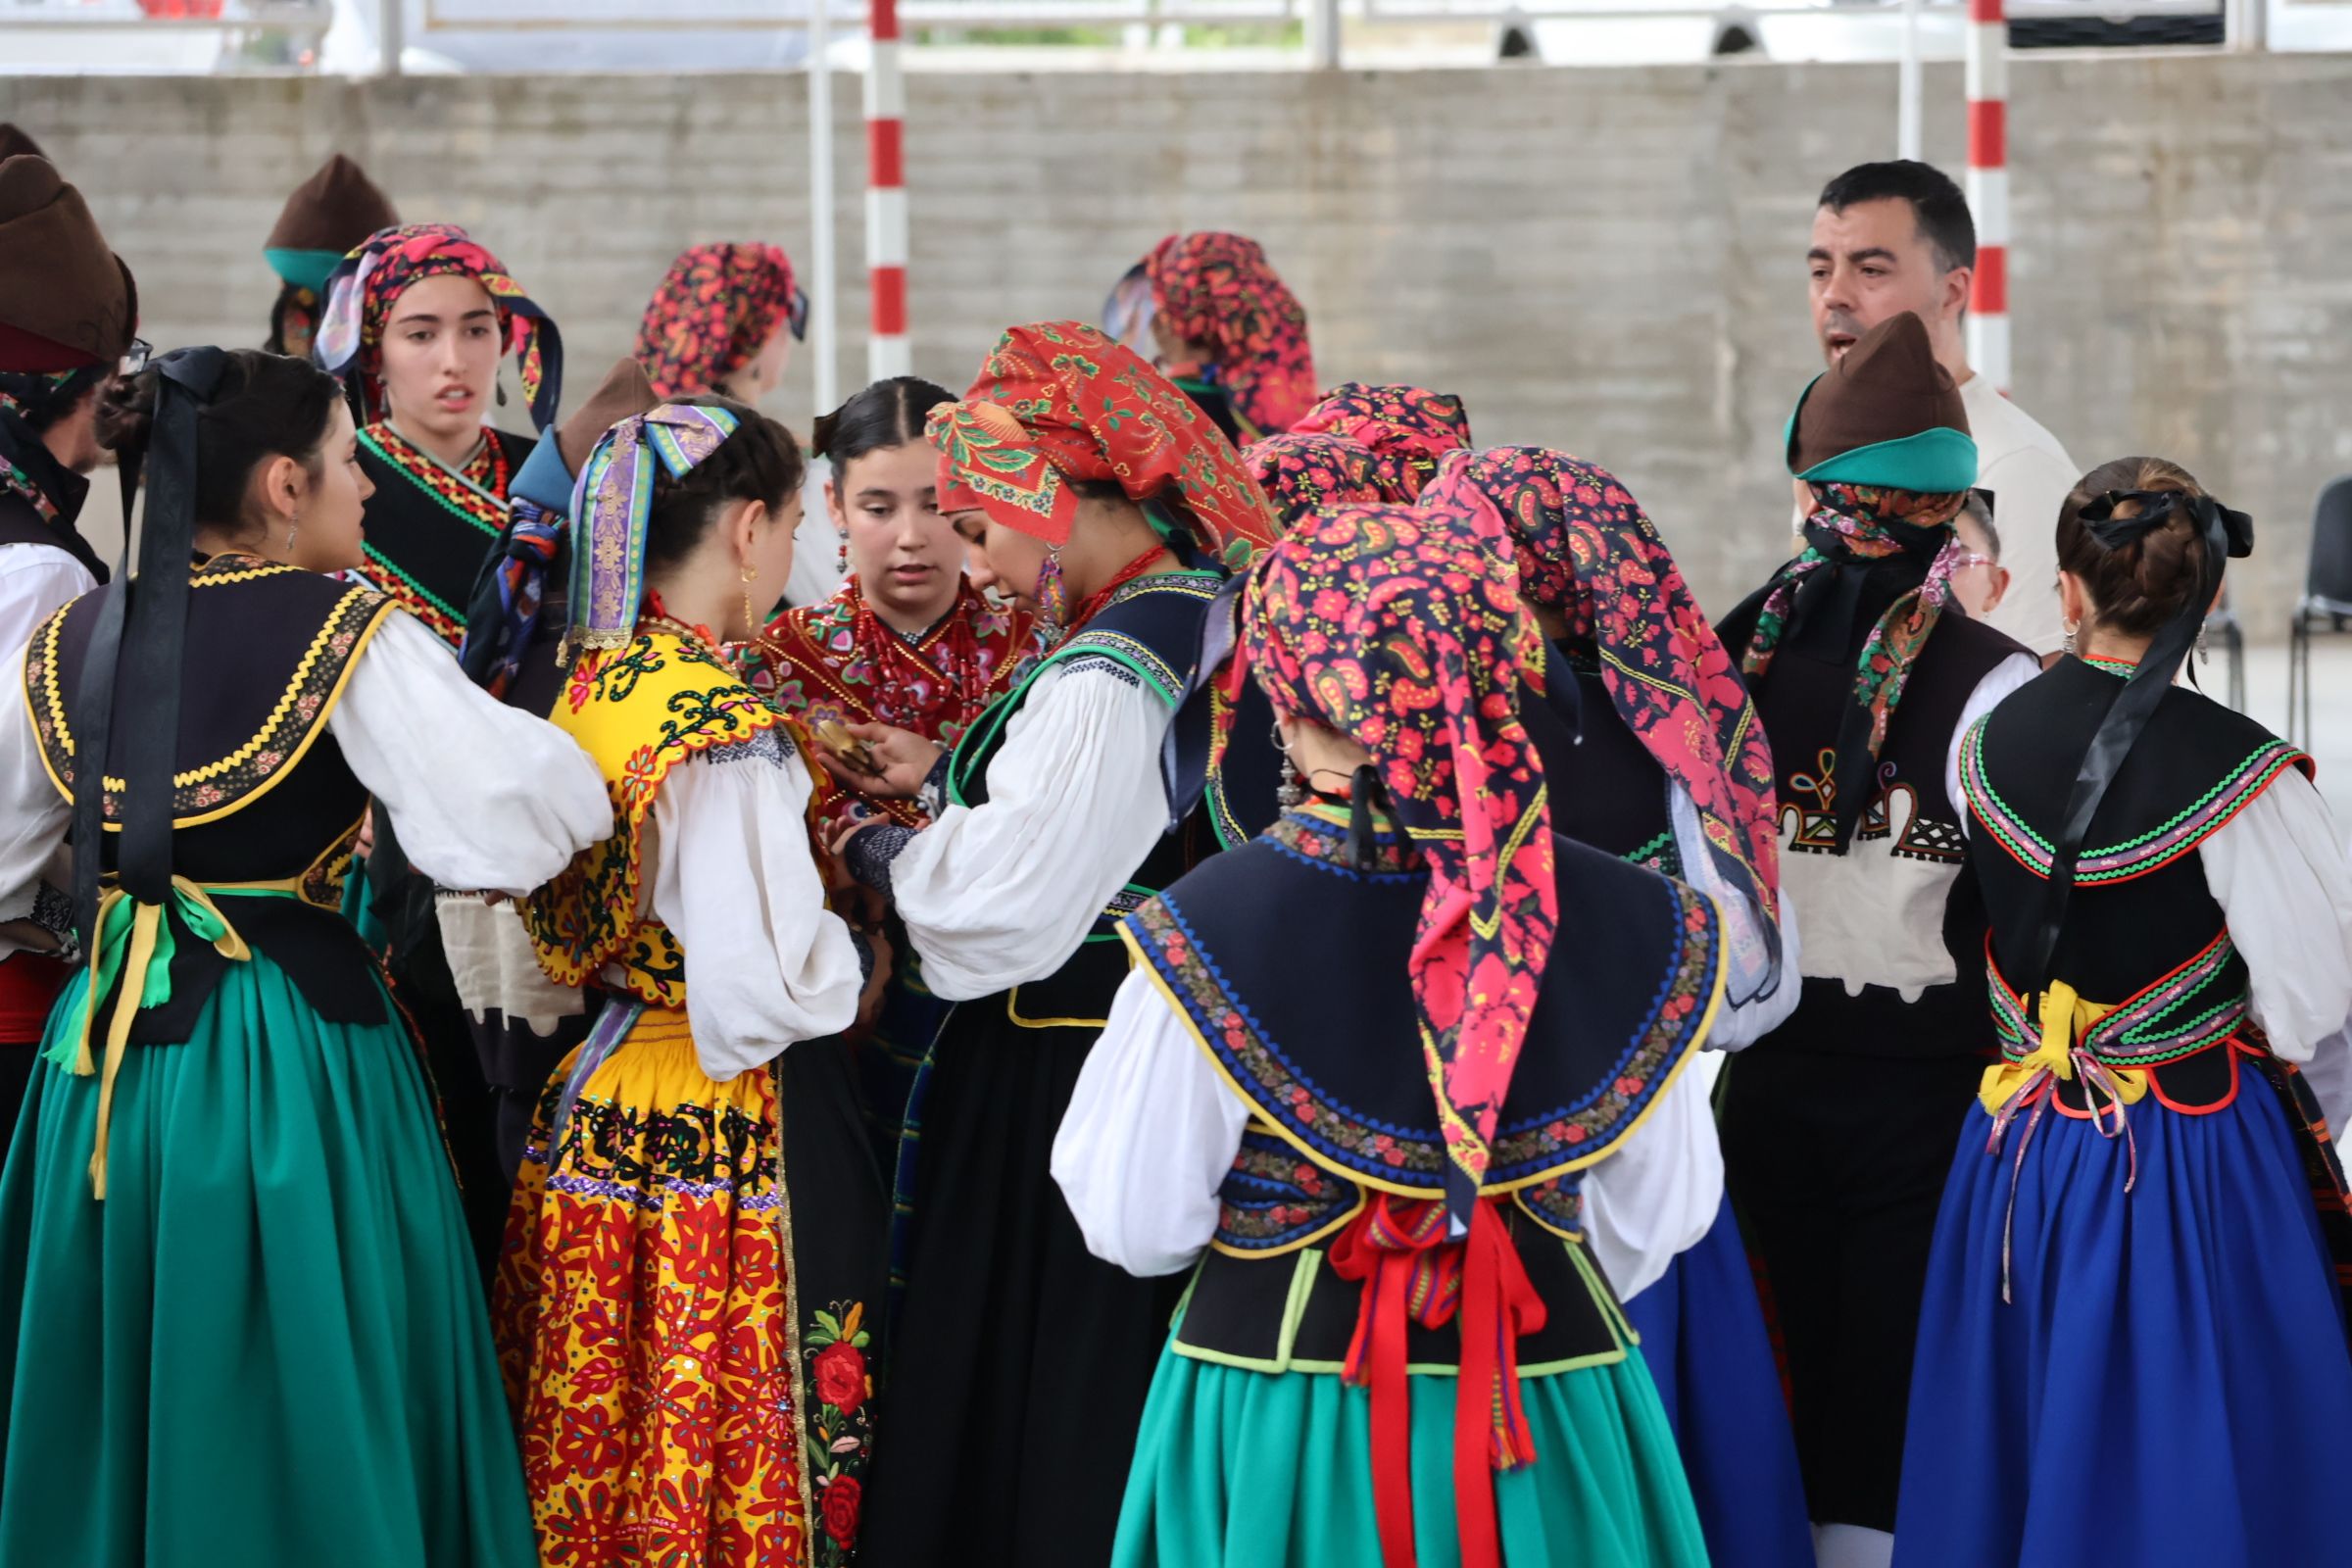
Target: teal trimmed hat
{"type": "Point", "coordinates": [1887, 414]}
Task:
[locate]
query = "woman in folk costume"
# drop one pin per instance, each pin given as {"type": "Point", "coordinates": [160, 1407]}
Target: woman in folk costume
{"type": "Point", "coordinates": [417, 320]}
{"type": "Point", "coordinates": [67, 311]}
{"type": "Point", "coordinates": [907, 641]}
{"type": "Point", "coordinates": [1089, 488]}
{"type": "Point", "coordinates": [1408, 428]}
{"type": "Point", "coordinates": [1228, 331]}
{"type": "Point", "coordinates": [1836, 1126]}
{"type": "Point", "coordinates": [1653, 753]}
{"type": "Point", "coordinates": [1302, 475]}
{"type": "Point", "coordinates": [330, 216]}
{"type": "Point", "coordinates": [522, 1022]}
{"type": "Point", "coordinates": [2129, 1252]}
{"type": "Point", "coordinates": [718, 323]}
{"type": "Point", "coordinates": [695, 1253]}
{"type": "Point", "coordinates": [233, 1283]}
{"type": "Point", "coordinates": [1396, 1347]}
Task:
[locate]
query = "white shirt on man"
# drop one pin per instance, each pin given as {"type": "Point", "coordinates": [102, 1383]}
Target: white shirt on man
{"type": "Point", "coordinates": [2028, 474]}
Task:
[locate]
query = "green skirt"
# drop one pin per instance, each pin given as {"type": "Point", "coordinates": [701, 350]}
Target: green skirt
{"type": "Point", "coordinates": [1262, 1469]}
{"type": "Point", "coordinates": [267, 1345]}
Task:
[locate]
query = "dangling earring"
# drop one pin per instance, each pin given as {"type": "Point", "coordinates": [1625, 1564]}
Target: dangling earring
{"type": "Point", "coordinates": [842, 559]}
{"type": "Point", "coordinates": [1053, 600]}
{"type": "Point", "coordinates": [293, 524]}
{"type": "Point", "coordinates": [751, 617]}
{"type": "Point", "coordinates": [1293, 791]}
{"type": "Point", "coordinates": [2069, 640]}
{"type": "Point", "coordinates": [2204, 656]}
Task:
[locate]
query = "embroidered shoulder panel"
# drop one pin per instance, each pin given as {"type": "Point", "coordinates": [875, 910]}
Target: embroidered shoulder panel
{"type": "Point", "coordinates": [2152, 851]}
{"type": "Point", "coordinates": [475, 499]}
{"type": "Point", "coordinates": [215, 788]}
{"type": "Point", "coordinates": [1411, 1159]}
{"type": "Point", "coordinates": [639, 710]}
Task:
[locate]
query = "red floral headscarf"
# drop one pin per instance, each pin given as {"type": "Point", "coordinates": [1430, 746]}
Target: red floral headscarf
{"type": "Point", "coordinates": [361, 292]}
{"type": "Point", "coordinates": [1585, 549]}
{"type": "Point", "coordinates": [1403, 631]}
{"type": "Point", "coordinates": [1218, 289]}
{"type": "Point", "coordinates": [713, 312]}
{"type": "Point", "coordinates": [1057, 402]}
{"type": "Point", "coordinates": [1410, 427]}
{"type": "Point", "coordinates": [1305, 474]}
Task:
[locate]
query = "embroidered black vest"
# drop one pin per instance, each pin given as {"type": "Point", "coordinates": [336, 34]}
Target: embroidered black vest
{"type": "Point", "coordinates": [1150, 634]}
{"type": "Point", "coordinates": [2141, 928]}
{"type": "Point", "coordinates": [275, 648]}
{"type": "Point", "coordinates": [1292, 968]}
{"type": "Point", "coordinates": [1898, 912]}
{"type": "Point", "coordinates": [1604, 787]}
{"type": "Point", "coordinates": [429, 530]}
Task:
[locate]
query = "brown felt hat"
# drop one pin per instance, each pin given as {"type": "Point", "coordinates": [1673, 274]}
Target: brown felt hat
{"type": "Point", "coordinates": [14, 143]}
{"type": "Point", "coordinates": [1888, 412]}
{"type": "Point", "coordinates": [65, 301]}
{"type": "Point", "coordinates": [333, 210]}
{"type": "Point", "coordinates": [624, 391]}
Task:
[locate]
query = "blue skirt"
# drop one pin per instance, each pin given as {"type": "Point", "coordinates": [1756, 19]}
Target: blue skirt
{"type": "Point", "coordinates": [1703, 1337]}
{"type": "Point", "coordinates": [2172, 1384]}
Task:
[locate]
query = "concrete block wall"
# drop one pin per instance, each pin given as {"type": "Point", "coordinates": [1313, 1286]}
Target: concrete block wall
{"type": "Point", "coordinates": [1605, 260]}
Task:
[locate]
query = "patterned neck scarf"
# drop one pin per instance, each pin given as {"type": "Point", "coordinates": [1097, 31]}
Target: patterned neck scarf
{"type": "Point", "coordinates": [360, 293]}
{"type": "Point", "coordinates": [1218, 290]}
{"type": "Point", "coordinates": [714, 313]}
{"type": "Point", "coordinates": [1058, 401]}
{"type": "Point", "coordinates": [1303, 473]}
{"type": "Point", "coordinates": [1406, 635]}
{"type": "Point", "coordinates": [15, 430]}
{"type": "Point", "coordinates": [610, 505]}
{"type": "Point", "coordinates": [1408, 427]}
{"type": "Point", "coordinates": [1853, 528]}
{"type": "Point", "coordinates": [1585, 549]}
{"type": "Point", "coordinates": [842, 662]}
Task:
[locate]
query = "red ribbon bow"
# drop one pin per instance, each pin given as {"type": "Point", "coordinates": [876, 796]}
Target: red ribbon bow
{"type": "Point", "coordinates": [1411, 1273]}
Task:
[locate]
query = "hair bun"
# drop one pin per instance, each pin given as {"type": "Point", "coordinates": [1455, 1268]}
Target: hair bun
{"type": "Point", "coordinates": [820, 439]}
{"type": "Point", "coordinates": [127, 410]}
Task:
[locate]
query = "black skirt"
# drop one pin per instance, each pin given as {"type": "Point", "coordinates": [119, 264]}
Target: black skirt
{"type": "Point", "coordinates": [1021, 1362]}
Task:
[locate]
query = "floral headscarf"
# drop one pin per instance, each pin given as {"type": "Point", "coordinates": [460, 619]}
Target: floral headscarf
{"type": "Point", "coordinates": [1057, 402]}
{"type": "Point", "coordinates": [1218, 289]}
{"type": "Point", "coordinates": [713, 315]}
{"type": "Point", "coordinates": [612, 503]}
{"type": "Point", "coordinates": [1855, 525]}
{"type": "Point", "coordinates": [1411, 428]}
{"type": "Point", "coordinates": [361, 289]}
{"type": "Point", "coordinates": [1402, 630]}
{"type": "Point", "coordinates": [1305, 474]}
{"type": "Point", "coordinates": [1585, 549]}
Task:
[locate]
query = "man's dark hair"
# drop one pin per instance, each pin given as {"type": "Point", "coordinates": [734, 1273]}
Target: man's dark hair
{"type": "Point", "coordinates": [1940, 208]}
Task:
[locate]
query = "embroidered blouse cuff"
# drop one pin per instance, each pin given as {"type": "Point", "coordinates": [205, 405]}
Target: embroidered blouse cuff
{"type": "Point", "coordinates": [871, 851]}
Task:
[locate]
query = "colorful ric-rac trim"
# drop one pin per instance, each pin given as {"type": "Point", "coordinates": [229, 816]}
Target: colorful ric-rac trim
{"type": "Point", "coordinates": [2153, 1027]}
{"type": "Point", "coordinates": [2151, 851]}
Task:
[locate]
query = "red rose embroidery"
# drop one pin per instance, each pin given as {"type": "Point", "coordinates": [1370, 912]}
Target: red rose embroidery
{"type": "Point", "coordinates": [841, 1497]}
{"type": "Point", "coordinates": [840, 1369]}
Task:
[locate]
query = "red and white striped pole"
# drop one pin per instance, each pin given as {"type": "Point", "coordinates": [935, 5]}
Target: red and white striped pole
{"type": "Point", "coordinates": [887, 351]}
{"type": "Point", "coordinates": [1989, 190]}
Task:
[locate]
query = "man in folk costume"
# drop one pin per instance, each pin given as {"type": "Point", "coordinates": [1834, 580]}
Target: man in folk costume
{"type": "Point", "coordinates": [68, 309]}
{"type": "Point", "coordinates": [1838, 1126]}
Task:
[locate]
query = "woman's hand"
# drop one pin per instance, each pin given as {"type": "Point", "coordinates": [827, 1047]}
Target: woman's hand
{"type": "Point", "coordinates": [903, 759]}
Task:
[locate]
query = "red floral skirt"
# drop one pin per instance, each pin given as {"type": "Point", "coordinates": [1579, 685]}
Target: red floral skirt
{"type": "Point", "coordinates": [676, 1395]}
